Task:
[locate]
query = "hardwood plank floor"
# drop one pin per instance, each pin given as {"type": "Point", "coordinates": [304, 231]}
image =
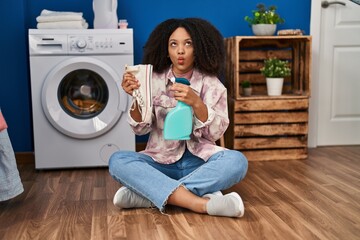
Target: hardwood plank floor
{"type": "Point", "coordinates": [318, 198]}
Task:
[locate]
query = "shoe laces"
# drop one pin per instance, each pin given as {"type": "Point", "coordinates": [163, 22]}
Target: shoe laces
{"type": "Point", "coordinates": [139, 98]}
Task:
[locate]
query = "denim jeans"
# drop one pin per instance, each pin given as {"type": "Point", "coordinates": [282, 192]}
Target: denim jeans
{"type": "Point", "coordinates": [156, 181]}
{"type": "Point", "coordinates": [10, 182]}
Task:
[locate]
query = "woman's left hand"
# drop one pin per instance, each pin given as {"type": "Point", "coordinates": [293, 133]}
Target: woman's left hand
{"type": "Point", "coordinates": [185, 94]}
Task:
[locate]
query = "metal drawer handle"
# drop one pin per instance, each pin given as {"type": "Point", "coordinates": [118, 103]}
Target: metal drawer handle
{"type": "Point", "coordinates": [325, 4]}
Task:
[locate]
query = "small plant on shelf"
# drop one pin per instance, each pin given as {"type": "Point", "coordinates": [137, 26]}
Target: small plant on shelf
{"type": "Point", "coordinates": [246, 84]}
{"type": "Point", "coordinates": [263, 21]}
{"type": "Point", "coordinates": [246, 88]}
{"type": "Point", "coordinates": [275, 68]}
{"type": "Point", "coordinates": [264, 15]}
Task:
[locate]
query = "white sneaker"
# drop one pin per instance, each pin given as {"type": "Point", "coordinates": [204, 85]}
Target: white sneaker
{"type": "Point", "coordinates": [143, 73]}
{"type": "Point", "coordinates": [125, 198]}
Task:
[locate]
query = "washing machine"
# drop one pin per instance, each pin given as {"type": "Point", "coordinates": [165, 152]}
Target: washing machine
{"type": "Point", "coordinates": [78, 106]}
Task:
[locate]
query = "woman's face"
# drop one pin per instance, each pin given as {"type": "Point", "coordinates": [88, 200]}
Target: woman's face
{"type": "Point", "coordinates": [181, 51]}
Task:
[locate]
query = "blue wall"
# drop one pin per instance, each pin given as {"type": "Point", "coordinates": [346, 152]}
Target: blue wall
{"type": "Point", "coordinates": [18, 16]}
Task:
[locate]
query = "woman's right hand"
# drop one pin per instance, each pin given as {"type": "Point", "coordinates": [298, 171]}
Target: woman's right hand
{"type": "Point", "coordinates": [129, 83]}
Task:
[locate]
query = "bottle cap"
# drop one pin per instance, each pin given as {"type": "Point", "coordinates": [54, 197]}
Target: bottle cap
{"type": "Point", "coordinates": [123, 23]}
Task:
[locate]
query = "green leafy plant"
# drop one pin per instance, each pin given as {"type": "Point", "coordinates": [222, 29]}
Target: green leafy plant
{"type": "Point", "coordinates": [246, 84]}
{"type": "Point", "coordinates": [264, 15]}
{"type": "Point", "coordinates": [275, 68]}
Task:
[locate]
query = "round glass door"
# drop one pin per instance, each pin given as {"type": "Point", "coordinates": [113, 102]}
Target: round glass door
{"type": "Point", "coordinates": [83, 94]}
{"type": "Point", "coordinates": [81, 97]}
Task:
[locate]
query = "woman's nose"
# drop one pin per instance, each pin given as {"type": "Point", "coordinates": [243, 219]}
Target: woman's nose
{"type": "Point", "coordinates": [180, 49]}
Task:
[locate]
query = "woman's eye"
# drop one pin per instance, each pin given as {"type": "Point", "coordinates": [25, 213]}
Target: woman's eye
{"type": "Point", "coordinates": [188, 43]}
{"type": "Point", "coordinates": [173, 44]}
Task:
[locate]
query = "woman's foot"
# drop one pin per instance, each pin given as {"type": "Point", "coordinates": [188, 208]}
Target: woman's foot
{"type": "Point", "coordinates": [229, 205]}
{"type": "Point", "coordinates": [125, 198]}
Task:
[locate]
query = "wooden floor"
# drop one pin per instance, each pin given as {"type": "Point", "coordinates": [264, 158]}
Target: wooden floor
{"type": "Point", "coordinates": [318, 198]}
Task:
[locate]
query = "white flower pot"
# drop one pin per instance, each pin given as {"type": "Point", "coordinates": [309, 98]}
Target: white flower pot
{"type": "Point", "coordinates": [274, 86]}
{"type": "Point", "coordinates": [263, 29]}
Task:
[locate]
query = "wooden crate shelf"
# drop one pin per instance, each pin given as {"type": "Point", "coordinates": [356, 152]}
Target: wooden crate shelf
{"type": "Point", "coordinates": [269, 129]}
{"type": "Point", "coordinates": [246, 55]}
{"type": "Point", "coordinates": [263, 127]}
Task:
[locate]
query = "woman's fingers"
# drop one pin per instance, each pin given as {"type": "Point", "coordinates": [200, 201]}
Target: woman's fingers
{"type": "Point", "coordinates": [129, 83]}
{"type": "Point", "coordinates": [184, 93]}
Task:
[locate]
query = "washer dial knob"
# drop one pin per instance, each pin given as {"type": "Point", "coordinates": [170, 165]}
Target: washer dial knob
{"type": "Point", "coordinates": [81, 43]}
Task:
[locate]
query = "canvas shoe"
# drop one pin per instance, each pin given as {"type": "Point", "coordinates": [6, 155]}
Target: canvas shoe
{"type": "Point", "coordinates": [143, 73]}
{"type": "Point", "coordinates": [125, 198]}
{"type": "Point", "coordinates": [228, 205]}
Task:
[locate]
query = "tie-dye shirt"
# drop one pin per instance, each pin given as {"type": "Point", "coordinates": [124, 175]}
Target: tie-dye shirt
{"type": "Point", "coordinates": [204, 134]}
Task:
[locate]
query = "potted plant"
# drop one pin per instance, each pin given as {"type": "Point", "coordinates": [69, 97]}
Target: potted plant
{"type": "Point", "coordinates": [246, 88]}
{"type": "Point", "coordinates": [275, 70]}
{"type": "Point", "coordinates": [264, 20]}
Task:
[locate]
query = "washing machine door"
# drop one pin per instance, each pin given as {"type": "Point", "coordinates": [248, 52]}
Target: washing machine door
{"type": "Point", "coordinates": [82, 98]}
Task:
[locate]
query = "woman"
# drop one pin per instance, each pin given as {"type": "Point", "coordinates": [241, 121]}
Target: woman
{"type": "Point", "coordinates": [184, 173]}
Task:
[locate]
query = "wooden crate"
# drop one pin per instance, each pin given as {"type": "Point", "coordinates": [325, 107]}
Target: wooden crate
{"type": "Point", "coordinates": [264, 127]}
{"type": "Point", "coordinates": [245, 56]}
{"type": "Point", "coordinates": [269, 128]}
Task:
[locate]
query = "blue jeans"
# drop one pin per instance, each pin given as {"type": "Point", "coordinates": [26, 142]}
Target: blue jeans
{"type": "Point", "coordinates": [156, 181]}
{"type": "Point", "coordinates": [10, 181]}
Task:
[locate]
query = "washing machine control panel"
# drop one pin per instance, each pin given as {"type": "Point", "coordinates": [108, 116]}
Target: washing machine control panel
{"type": "Point", "coordinates": [100, 44]}
{"type": "Point", "coordinates": [80, 42]}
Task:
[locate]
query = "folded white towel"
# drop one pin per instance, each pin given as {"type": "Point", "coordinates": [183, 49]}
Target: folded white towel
{"type": "Point", "coordinates": [63, 25]}
{"type": "Point", "coordinates": [58, 18]}
{"type": "Point", "coordinates": [46, 12]}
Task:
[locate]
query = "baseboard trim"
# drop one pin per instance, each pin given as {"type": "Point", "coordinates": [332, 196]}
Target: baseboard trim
{"type": "Point", "coordinates": [25, 157]}
{"type": "Point", "coordinates": [140, 146]}
{"type": "Point", "coordinates": [29, 157]}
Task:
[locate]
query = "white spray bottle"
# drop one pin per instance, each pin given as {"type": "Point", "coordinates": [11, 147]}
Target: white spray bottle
{"type": "Point", "coordinates": [105, 14]}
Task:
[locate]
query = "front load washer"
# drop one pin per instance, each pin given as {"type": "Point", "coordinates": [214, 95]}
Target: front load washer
{"type": "Point", "coordinates": [78, 106]}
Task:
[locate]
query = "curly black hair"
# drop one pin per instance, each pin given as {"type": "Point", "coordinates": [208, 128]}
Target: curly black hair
{"type": "Point", "coordinates": [208, 42]}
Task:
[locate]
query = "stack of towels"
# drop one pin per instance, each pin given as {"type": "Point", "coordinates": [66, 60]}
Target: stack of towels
{"type": "Point", "coordinates": [61, 20]}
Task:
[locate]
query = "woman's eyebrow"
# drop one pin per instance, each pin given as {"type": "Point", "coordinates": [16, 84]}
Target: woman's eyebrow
{"type": "Point", "coordinates": [176, 40]}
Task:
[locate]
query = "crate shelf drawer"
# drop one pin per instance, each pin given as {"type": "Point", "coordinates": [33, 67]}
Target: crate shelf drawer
{"type": "Point", "coordinates": [271, 129]}
{"type": "Point", "coordinates": [270, 117]}
{"type": "Point", "coordinates": [276, 154]}
{"type": "Point", "coordinates": [270, 104]}
{"type": "Point", "coordinates": [270, 143]}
